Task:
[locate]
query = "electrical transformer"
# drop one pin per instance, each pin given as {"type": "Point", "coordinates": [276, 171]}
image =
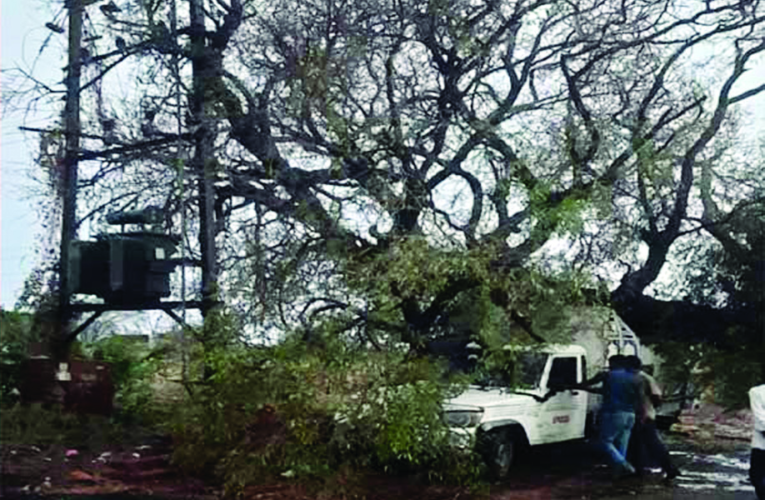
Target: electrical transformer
{"type": "Point", "coordinates": [125, 268]}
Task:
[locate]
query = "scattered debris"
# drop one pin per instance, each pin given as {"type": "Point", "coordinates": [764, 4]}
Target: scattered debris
{"type": "Point", "coordinates": [78, 475]}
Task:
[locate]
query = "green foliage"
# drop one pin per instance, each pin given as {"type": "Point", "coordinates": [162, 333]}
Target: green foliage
{"type": "Point", "coordinates": [473, 299]}
{"type": "Point", "coordinates": [684, 358]}
{"type": "Point", "coordinates": [414, 271]}
{"type": "Point", "coordinates": [40, 426]}
{"type": "Point", "coordinates": [219, 330]}
{"type": "Point", "coordinates": [730, 276]}
{"type": "Point", "coordinates": [544, 298]}
{"type": "Point", "coordinates": [730, 374]}
{"type": "Point", "coordinates": [420, 270]}
{"type": "Point", "coordinates": [724, 376]}
{"type": "Point", "coordinates": [495, 365]}
{"type": "Point", "coordinates": [16, 336]}
{"type": "Point", "coordinates": [133, 367]}
{"type": "Point", "coordinates": [563, 217]}
{"type": "Point", "coordinates": [300, 411]}
{"type": "Point", "coordinates": [655, 168]}
{"type": "Point", "coordinates": [40, 297]}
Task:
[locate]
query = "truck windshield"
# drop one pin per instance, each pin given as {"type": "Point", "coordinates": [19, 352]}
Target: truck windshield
{"type": "Point", "coordinates": [524, 373]}
{"type": "Point", "coordinates": [531, 365]}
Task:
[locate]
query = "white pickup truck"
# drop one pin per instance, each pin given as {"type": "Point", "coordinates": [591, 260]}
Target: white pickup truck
{"type": "Point", "coordinates": [501, 421]}
{"type": "Point", "coordinates": [500, 418]}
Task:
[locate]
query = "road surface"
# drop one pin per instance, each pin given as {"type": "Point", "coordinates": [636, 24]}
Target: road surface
{"type": "Point", "coordinates": [712, 470]}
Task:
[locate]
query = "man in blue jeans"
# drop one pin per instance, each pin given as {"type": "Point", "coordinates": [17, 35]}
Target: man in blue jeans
{"type": "Point", "coordinates": [621, 391]}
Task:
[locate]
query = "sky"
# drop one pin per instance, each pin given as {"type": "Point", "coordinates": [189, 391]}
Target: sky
{"type": "Point", "coordinates": [22, 31]}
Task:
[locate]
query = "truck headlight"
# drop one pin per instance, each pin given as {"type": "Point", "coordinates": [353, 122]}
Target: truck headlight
{"type": "Point", "coordinates": [463, 418]}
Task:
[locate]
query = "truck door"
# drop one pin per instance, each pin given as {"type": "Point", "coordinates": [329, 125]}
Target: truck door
{"type": "Point", "coordinates": [565, 413]}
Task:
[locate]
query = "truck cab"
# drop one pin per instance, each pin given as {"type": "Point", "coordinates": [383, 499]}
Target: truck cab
{"type": "Point", "coordinates": [500, 419]}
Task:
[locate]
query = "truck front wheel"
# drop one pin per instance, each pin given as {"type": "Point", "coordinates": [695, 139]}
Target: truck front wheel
{"type": "Point", "coordinates": [499, 449]}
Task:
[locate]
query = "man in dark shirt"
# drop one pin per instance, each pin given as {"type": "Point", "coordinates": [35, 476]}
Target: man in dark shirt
{"type": "Point", "coordinates": [621, 391]}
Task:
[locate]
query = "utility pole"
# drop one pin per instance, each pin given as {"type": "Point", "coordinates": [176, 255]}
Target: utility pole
{"type": "Point", "coordinates": [203, 72]}
{"type": "Point", "coordinates": [69, 178]}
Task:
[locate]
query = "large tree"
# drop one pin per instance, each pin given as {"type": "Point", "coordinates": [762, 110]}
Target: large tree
{"type": "Point", "coordinates": [383, 158]}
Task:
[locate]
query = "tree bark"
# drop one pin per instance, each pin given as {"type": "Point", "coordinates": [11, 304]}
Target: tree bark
{"type": "Point", "coordinates": [203, 74]}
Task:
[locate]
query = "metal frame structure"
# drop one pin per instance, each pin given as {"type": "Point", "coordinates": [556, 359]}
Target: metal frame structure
{"type": "Point", "coordinates": [203, 149]}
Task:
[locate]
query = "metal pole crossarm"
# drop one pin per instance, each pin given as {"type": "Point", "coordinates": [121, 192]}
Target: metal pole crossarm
{"type": "Point", "coordinates": [146, 306]}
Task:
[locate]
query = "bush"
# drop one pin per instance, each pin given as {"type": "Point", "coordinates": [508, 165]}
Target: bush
{"type": "Point", "coordinates": [37, 425]}
{"type": "Point", "coordinates": [725, 375]}
{"type": "Point", "coordinates": [134, 366]}
{"type": "Point", "coordinates": [16, 337]}
{"type": "Point", "coordinates": [303, 411]}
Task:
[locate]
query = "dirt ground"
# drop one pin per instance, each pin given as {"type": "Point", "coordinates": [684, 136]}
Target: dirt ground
{"type": "Point", "coordinates": [712, 469]}
{"type": "Point", "coordinates": [59, 472]}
